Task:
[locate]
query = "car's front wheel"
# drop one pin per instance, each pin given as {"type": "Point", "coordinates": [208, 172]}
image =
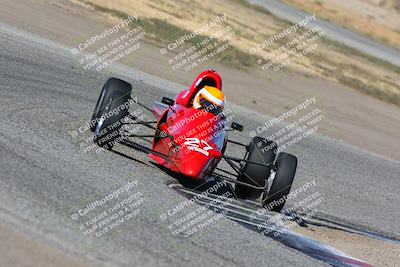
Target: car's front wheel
{"type": "Point", "coordinates": [111, 108]}
{"type": "Point", "coordinates": [260, 150]}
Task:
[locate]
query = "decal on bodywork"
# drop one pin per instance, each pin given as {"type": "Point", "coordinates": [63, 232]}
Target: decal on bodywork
{"type": "Point", "coordinates": [198, 145]}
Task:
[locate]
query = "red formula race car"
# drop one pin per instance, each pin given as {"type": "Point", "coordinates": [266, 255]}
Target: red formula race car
{"type": "Point", "coordinates": [189, 136]}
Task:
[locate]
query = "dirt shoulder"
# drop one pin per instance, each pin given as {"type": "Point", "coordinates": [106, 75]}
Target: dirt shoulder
{"type": "Point", "coordinates": [251, 46]}
{"type": "Point", "coordinates": [377, 19]}
{"type": "Point", "coordinates": [370, 250]}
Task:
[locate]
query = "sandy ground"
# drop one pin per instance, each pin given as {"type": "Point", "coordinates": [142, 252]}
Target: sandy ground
{"type": "Point", "coordinates": [332, 62]}
{"type": "Point", "coordinates": [372, 251]}
{"type": "Point", "coordinates": [378, 19]}
{"type": "Point", "coordinates": [355, 118]}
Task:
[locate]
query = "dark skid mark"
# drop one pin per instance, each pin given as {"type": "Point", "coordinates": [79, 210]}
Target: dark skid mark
{"type": "Point", "coordinates": [246, 214]}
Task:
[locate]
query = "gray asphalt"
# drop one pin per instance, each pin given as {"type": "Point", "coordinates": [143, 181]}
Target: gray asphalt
{"type": "Point", "coordinates": [45, 175]}
{"type": "Point", "coordinates": [333, 31]}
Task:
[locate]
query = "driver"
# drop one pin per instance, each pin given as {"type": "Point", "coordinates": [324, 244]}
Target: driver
{"type": "Point", "coordinates": [210, 99]}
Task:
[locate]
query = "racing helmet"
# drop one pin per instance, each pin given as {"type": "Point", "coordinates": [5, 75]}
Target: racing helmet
{"type": "Point", "coordinates": [210, 99]}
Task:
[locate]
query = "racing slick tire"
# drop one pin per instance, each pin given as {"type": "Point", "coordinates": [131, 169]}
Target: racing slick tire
{"type": "Point", "coordinates": [260, 150]}
{"type": "Point", "coordinates": [111, 108]}
{"type": "Point", "coordinates": [286, 165]}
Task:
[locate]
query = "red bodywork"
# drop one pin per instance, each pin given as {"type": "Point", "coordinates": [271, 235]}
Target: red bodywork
{"type": "Point", "coordinates": [195, 139]}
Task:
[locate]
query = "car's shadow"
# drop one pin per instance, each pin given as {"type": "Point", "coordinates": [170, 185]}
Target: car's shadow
{"type": "Point", "coordinates": [222, 200]}
{"type": "Point", "coordinates": [128, 157]}
{"type": "Point", "coordinates": [221, 188]}
{"type": "Point", "coordinates": [134, 146]}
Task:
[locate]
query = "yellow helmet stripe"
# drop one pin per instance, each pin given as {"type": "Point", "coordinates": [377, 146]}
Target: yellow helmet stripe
{"type": "Point", "coordinates": [211, 97]}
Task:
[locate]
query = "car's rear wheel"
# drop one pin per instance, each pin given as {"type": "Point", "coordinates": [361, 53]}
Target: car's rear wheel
{"type": "Point", "coordinates": [260, 150]}
{"type": "Point", "coordinates": [111, 108]}
{"type": "Point", "coordinates": [286, 165]}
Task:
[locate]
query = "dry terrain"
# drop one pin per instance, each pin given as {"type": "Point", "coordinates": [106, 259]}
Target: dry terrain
{"type": "Point", "coordinates": [364, 248]}
{"type": "Point", "coordinates": [378, 19]}
{"type": "Point", "coordinates": [165, 21]}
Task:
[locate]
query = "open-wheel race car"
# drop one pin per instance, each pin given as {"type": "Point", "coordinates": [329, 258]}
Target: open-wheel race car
{"type": "Point", "coordinates": [189, 137]}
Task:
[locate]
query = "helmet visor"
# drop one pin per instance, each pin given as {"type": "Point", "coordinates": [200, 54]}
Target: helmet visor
{"type": "Point", "coordinates": [210, 106]}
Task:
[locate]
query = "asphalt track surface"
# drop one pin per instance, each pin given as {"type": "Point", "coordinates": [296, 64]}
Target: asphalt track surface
{"type": "Point", "coordinates": [332, 31]}
{"type": "Point", "coordinates": [45, 176]}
